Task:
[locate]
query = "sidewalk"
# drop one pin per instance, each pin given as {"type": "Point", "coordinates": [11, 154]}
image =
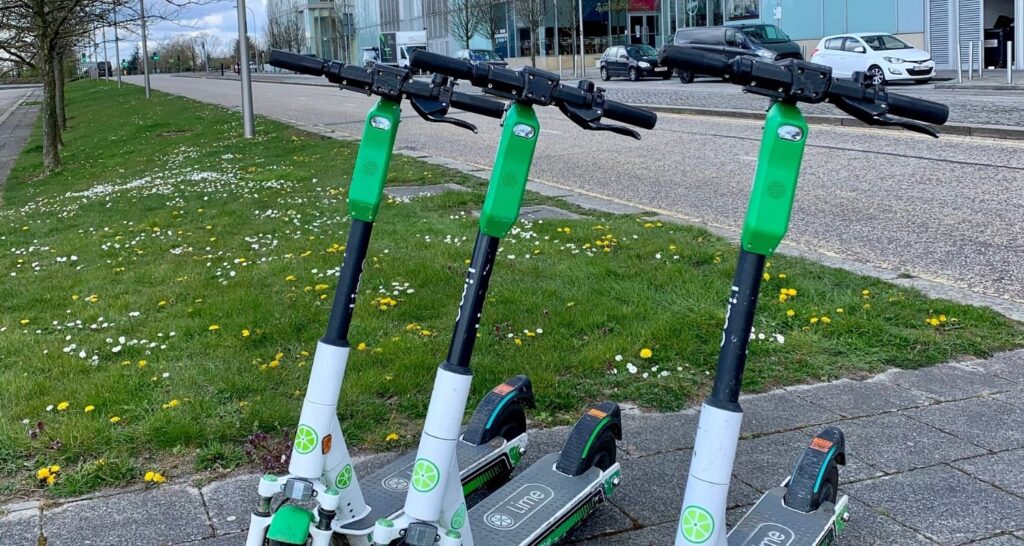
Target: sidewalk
{"type": "Point", "coordinates": [933, 458]}
{"type": "Point", "coordinates": [15, 129]}
{"type": "Point", "coordinates": [990, 80]}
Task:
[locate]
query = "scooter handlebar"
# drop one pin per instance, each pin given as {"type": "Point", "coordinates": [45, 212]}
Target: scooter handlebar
{"type": "Point", "coordinates": [297, 63]}
{"type": "Point", "coordinates": [630, 115]}
{"type": "Point", "coordinates": [441, 64]}
{"type": "Point", "coordinates": [693, 60]}
{"type": "Point", "coordinates": [899, 105]}
{"type": "Point", "coordinates": [478, 105]}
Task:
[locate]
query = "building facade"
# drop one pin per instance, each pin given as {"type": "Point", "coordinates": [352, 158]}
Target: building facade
{"type": "Point", "coordinates": [340, 28]}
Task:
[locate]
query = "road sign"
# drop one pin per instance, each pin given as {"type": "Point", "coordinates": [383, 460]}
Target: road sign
{"type": "Point", "coordinates": [156, 56]}
{"type": "Point", "coordinates": [692, 6]}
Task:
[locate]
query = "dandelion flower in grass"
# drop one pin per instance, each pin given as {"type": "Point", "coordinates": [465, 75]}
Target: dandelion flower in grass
{"type": "Point", "coordinates": [43, 473]}
{"type": "Point", "coordinates": [393, 437]}
{"type": "Point", "coordinates": [246, 332]}
{"type": "Point", "coordinates": [767, 276]}
{"type": "Point", "coordinates": [115, 419]}
{"type": "Point", "coordinates": [74, 297]}
{"type": "Point", "coordinates": [517, 341]}
{"type": "Point", "coordinates": [361, 346]}
{"type": "Point", "coordinates": [425, 333]}
{"type": "Point", "coordinates": [646, 353]}
{"type": "Point", "coordinates": [172, 404]}
{"type": "Point", "coordinates": [214, 327]}
{"type": "Point", "coordinates": [289, 278]}
{"type": "Point", "coordinates": [274, 363]}
{"type": "Point", "coordinates": [814, 320]}
{"type": "Point", "coordinates": [24, 321]}
{"type": "Point", "coordinates": [790, 312]}
{"type": "Point", "coordinates": [89, 408]}
{"type": "Point", "coordinates": [826, 320]}
{"type": "Point", "coordinates": [63, 405]}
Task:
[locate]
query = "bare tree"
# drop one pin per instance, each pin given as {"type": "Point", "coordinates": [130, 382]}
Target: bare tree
{"type": "Point", "coordinates": [532, 13]}
{"type": "Point", "coordinates": [465, 18]}
{"type": "Point", "coordinates": [492, 17]}
{"type": "Point", "coordinates": [568, 16]}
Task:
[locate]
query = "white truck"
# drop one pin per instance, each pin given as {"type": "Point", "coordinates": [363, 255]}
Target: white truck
{"type": "Point", "coordinates": [394, 47]}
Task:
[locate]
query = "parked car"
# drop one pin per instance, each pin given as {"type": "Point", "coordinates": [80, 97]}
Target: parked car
{"type": "Point", "coordinates": [882, 56]}
{"type": "Point", "coordinates": [734, 41]}
{"type": "Point", "coordinates": [485, 56]}
{"type": "Point", "coordinates": [772, 37]}
{"type": "Point", "coordinates": [635, 62]}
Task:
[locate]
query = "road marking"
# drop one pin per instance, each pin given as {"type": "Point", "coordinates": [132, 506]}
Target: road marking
{"type": "Point", "coordinates": [550, 131]}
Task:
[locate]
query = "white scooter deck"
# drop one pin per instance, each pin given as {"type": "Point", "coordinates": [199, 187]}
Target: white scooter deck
{"type": "Point", "coordinates": [385, 490]}
{"type": "Point", "coordinates": [539, 505]}
{"type": "Point", "coordinates": [771, 522]}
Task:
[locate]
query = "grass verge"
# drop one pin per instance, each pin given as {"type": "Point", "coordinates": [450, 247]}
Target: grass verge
{"type": "Point", "coordinates": [163, 290]}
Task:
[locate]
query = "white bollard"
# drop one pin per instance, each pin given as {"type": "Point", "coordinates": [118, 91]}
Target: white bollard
{"type": "Point", "coordinates": [970, 61]}
{"type": "Point", "coordinates": [1009, 62]}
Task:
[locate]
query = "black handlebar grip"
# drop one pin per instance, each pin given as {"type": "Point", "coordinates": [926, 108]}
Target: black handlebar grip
{"type": "Point", "coordinates": [296, 62]}
{"type": "Point", "coordinates": [441, 64]}
{"type": "Point", "coordinates": [694, 60]}
{"type": "Point", "coordinates": [478, 105]}
{"type": "Point", "coordinates": [631, 115]}
{"type": "Point", "coordinates": [918, 109]}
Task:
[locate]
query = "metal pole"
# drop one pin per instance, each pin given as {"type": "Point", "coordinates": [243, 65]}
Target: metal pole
{"type": "Point", "coordinates": [981, 58]}
{"type": "Point", "coordinates": [103, 33]}
{"type": "Point", "coordinates": [117, 49]}
{"type": "Point", "coordinates": [557, 53]}
{"type": "Point", "coordinates": [970, 60]}
{"type": "Point", "coordinates": [1009, 64]}
{"type": "Point", "coordinates": [248, 122]}
{"type": "Point", "coordinates": [583, 53]}
{"type": "Point", "coordinates": [145, 48]}
{"type": "Point", "coordinates": [675, 8]}
{"type": "Point", "coordinates": [959, 65]}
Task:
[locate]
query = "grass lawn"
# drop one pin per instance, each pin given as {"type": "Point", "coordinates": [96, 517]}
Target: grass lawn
{"type": "Point", "coordinates": [162, 293]}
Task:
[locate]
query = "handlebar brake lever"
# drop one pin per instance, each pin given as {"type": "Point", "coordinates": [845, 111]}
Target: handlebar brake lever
{"type": "Point", "coordinates": [588, 119]}
{"type": "Point", "coordinates": [875, 114]}
{"type": "Point", "coordinates": [434, 110]}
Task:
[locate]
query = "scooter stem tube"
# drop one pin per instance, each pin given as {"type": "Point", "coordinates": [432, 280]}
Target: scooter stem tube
{"type": "Point", "coordinates": [316, 434]}
{"type": "Point", "coordinates": [436, 453]}
{"type": "Point", "coordinates": [702, 517]}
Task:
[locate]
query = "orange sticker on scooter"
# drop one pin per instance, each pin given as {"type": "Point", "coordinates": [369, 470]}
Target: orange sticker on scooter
{"type": "Point", "coordinates": [503, 389]}
{"type": "Point", "coordinates": [326, 447]}
{"type": "Point", "coordinates": [597, 413]}
{"type": "Point", "coordinates": [821, 444]}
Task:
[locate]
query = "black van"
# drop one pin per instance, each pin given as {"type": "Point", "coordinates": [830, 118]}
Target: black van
{"type": "Point", "coordinates": [732, 41]}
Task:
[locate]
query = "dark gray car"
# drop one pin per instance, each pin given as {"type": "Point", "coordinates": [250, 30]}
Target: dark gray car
{"type": "Point", "coordinates": [736, 41]}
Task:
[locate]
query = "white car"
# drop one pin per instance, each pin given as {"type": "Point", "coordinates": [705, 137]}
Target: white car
{"type": "Point", "coordinates": [883, 56]}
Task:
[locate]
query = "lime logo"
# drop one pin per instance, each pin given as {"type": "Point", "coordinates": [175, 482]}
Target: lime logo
{"type": "Point", "coordinates": [772, 534]}
{"type": "Point", "coordinates": [344, 478]}
{"type": "Point", "coordinates": [305, 439]}
{"type": "Point", "coordinates": [517, 507]}
{"type": "Point", "coordinates": [459, 519]}
{"type": "Point", "coordinates": [425, 476]}
{"type": "Point", "coordinates": [697, 525]}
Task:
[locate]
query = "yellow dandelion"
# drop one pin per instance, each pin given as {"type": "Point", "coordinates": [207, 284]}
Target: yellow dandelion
{"type": "Point", "coordinates": [790, 312]}
{"type": "Point", "coordinates": [24, 321]}
{"type": "Point", "coordinates": [393, 437]}
{"type": "Point", "coordinates": [814, 320]}
{"type": "Point", "coordinates": [214, 327]}
{"type": "Point", "coordinates": [246, 332]}
{"type": "Point", "coordinates": [361, 346]}
{"type": "Point", "coordinates": [63, 405]}
{"type": "Point", "coordinates": [646, 353]}
{"type": "Point", "coordinates": [115, 419]}
{"type": "Point", "coordinates": [826, 320]}
{"type": "Point", "coordinates": [289, 278]}
{"type": "Point", "coordinates": [89, 408]}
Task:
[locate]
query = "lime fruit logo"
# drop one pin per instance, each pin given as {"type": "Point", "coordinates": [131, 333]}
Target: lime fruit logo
{"type": "Point", "coordinates": [697, 525]}
{"type": "Point", "coordinates": [425, 476]}
{"type": "Point", "coordinates": [344, 478]}
{"type": "Point", "coordinates": [305, 439]}
{"type": "Point", "coordinates": [459, 519]}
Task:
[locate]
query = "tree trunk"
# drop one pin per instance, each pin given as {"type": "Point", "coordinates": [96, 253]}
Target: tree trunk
{"type": "Point", "coordinates": [58, 82]}
{"type": "Point", "coordinates": [51, 133]}
{"type": "Point", "coordinates": [533, 46]}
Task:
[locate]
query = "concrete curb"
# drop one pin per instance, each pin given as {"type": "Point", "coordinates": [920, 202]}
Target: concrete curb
{"type": "Point", "coordinates": [985, 131]}
{"type": "Point", "coordinates": [981, 87]}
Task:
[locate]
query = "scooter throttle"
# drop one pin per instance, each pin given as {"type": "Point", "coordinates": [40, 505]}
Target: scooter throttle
{"type": "Point", "coordinates": [693, 60]}
{"type": "Point", "coordinates": [477, 105]}
{"type": "Point", "coordinates": [899, 105]}
{"type": "Point", "coordinates": [297, 63]}
{"type": "Point", "coordinates": [441, 64]}
{"type": "Point", "coordinates": [629, 114]}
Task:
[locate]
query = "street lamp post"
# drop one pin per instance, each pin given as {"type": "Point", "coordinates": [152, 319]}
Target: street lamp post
{"type": "Point", "coordinates": [248, 121]}
{"type": "Point", "coordinates": [583, 54]}
{"type": "Point", "coordinates": [117, 48]}
{"type": "Point", "coordinates": [145, 49]}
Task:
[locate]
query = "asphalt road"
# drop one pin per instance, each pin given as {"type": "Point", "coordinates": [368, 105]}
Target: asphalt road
{"type": "Point", "coordinates": [10, 96]}
{"type": "Point", "coordinates": [948, 210]}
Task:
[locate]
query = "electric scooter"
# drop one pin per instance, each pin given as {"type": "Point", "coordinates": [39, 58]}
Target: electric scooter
{"type": "Point", "coordinates": [806, 508]}
{"type": "Point", "coordinates": [556, 494]}
{"type": "Point", "coordinates": [321, 467]}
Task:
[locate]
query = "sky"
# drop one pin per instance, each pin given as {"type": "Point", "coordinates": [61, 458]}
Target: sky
{"type": "Point", "coordinates": [219, 19]}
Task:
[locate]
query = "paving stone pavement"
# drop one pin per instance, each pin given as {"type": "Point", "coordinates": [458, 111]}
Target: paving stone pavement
{"type": "Point", "coordinates": [933, 459]}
